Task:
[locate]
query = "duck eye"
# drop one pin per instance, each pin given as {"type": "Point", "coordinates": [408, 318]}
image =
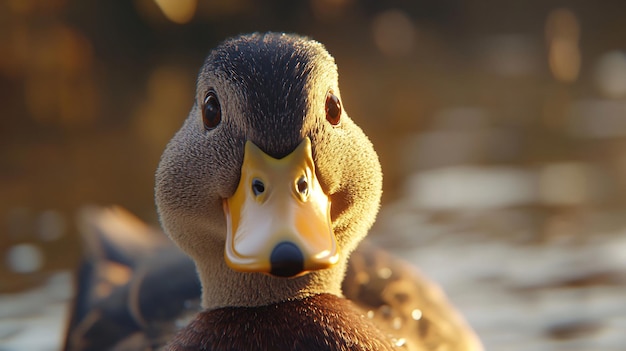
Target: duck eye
{"type": "Point", "coordinates": [211, 111]}
{"type": "Point", "coordinates": [333, 109]}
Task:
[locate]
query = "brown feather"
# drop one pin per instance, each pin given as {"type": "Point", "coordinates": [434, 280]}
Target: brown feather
{"type": "Point", "coordinates": [320, 322]}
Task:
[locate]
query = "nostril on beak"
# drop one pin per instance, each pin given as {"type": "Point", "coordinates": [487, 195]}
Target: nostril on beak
{"type": "Point", "coordinates": [258, 187]}
{"type": "Point", "coordinates": [302, 186]}
{"type": "Point", "coordinates": [287, 260]}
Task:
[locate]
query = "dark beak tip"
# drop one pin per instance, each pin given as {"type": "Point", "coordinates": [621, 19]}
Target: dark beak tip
{"type": "Point", "coordinates": [287, 260]}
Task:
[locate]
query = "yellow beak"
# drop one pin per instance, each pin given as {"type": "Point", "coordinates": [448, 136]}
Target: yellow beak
{"type": "Point", "coordinates": [278, 220]}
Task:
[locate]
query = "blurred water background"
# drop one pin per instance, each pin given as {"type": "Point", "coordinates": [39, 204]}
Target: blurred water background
{"type": "Point", "coordinates": [501, 127]}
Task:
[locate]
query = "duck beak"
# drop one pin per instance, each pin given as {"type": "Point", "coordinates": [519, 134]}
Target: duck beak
{"type": "Point", "coordinates": [278, 220]}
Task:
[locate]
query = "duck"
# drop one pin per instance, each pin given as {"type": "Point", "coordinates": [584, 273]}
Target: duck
{"type": "Point", "coordinates": [267, 192]}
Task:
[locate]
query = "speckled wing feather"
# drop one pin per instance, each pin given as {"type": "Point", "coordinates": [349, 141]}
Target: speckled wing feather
{"type": "Point", "coordinates": [405, 303]}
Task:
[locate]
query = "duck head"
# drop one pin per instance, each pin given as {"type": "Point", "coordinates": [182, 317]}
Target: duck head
{"type": "Point", "coordinates": [268, 185]}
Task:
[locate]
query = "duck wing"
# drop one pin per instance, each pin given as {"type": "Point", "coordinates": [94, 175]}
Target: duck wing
{"type": "Point", "coordinates": [133, 286]}
{"type": "Point", "coordinates": [405, 303]}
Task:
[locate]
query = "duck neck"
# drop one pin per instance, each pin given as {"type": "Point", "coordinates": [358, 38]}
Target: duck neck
{"type": "Point", "coordinates": [222, 286]}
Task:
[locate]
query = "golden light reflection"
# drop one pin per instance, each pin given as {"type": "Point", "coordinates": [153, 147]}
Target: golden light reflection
{"type": "Point", "coordinates": [394, 33]}
{"type": "Point", "coordinates": [562, 35]}
{"type": "Point", "coordinates": [55, 64]}
{"type": "Point", "coordinates": [169, 98]}
{"type": "Point", "coordinates": [52, 60]}
{"type": "Point", "coordinates": [59, 84]}
{"type": "Point", "coordinates": [178, 11]}
{"type": "Point", "coordinates": [111, 275]}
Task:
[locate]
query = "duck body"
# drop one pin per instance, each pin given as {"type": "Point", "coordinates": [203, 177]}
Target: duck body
{"type": "Point", "coordinates": [269, 187]}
